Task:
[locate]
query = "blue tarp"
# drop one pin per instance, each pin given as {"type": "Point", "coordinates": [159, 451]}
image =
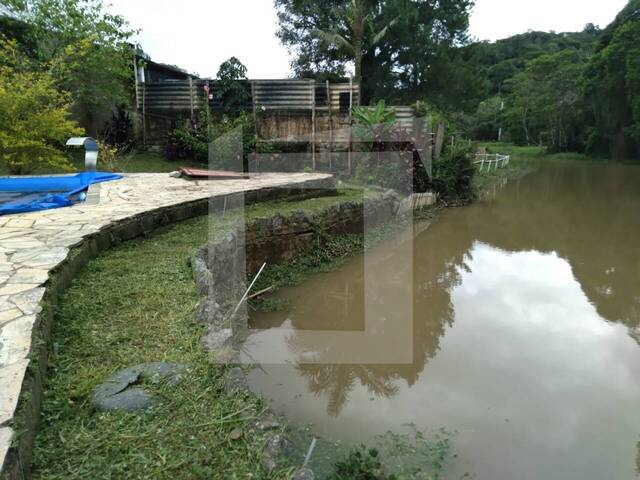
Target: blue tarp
{"type": "Point", "coordinates": [19, 195]}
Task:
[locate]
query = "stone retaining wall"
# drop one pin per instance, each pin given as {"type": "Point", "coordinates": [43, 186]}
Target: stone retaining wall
{"type": "Point", "coordinates": [221, 268]}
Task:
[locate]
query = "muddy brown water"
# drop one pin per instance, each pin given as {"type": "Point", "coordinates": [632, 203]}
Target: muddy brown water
{"type": "Point", "coordinates": [525, 341]}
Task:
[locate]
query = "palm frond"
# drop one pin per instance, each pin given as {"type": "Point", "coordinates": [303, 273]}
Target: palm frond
{"type": "Point", "coordinates": [333, 38]}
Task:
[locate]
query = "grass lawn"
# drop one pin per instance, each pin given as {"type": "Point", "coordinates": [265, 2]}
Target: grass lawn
{"type": "Point", "coordinates": [134, 304]}
{"type": "Point", "coordinates": [136, 162]}
{"type": "Point", "coordinates": [523, 161]}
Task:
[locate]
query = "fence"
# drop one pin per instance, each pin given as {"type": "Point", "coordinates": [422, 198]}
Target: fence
{"type": "Point", "coordinates": [492, 160]}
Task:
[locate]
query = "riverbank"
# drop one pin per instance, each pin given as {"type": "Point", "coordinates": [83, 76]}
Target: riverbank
{"type": "Point", "coordinates": [106, 324]}
{"type": "Point", "coordinates": [524, 160]}
{"type": "Point", "coordinates": [134, 304]}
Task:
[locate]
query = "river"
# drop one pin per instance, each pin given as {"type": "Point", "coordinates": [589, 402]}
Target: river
{"type": "Point", "coordinates": [524, 312]}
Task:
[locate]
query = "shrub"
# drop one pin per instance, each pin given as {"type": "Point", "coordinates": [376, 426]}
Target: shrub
{"type": "Point", "coordinates": [391, 159]}
{"type": "Point", "coordinates": [119, 130]}
{"type": "Point", "coordinates": [34, 116]}
{"type": "Point", "coordinates": [453, 174]}
{"type": "Point", "coordinates": [225, 134]}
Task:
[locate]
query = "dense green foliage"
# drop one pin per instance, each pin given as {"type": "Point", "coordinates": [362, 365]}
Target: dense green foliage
{"type": "Point", "coordinates": [453, 174]}
{"type": "Point", "coordinates": [406, 49]}
{"type": "Point", "coordinates": [501, 60]}
{"type": "Point", "coordinates": [224, 142]}
{"type": "Point", "coordinates": [570, 91]}
{"type": "Point", "coordinates": [388, 156]}
{"type": "Point", "coordinates": [34, 115]}
{"type": "Point", "coordinates": [87, 47]}
{"type": "Point", "coordinates": [232, 88]}
{"type": "Point", "coordinates": [612, 85]}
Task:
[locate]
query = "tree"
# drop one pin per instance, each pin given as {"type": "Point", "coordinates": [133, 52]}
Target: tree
{"type": "Point", "coordinates": [34, 115]}
{"type": "Point", "coordinates": [358, 15]}
{"type": "Point", "coordinates": [545, 102]}
{"type": "Point", "coordinates": [232, 86]}
{"type": "Point", "coordinates": [398, 46]}
{"type": "Point", "coordinates": [88, 48]}
{"type": "Point", "coordinates": [612, 87]}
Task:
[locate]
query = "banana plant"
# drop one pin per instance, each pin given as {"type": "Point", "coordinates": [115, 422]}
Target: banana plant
{"type": "Point", "coordinates": [374, 124]}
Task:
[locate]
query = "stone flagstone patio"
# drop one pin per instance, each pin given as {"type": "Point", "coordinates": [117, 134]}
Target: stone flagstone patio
{"type": "Point", "coordinates": [33, 245]}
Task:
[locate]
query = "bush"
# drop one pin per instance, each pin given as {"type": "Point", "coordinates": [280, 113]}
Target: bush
{"type": "Point", "coordinates": [453, 174]}
{"type": "Point", "coordinates": [391, 159]}
{"type": "Point", "coordinates": [225, 134]}
{"type": "Point", "coordinates": [119, 130]}
{"type": "Point", "coordinates": [34, 116]}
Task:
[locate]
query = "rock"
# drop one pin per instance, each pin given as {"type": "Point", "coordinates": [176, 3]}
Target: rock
{"type": "Point", "coordinates": [236, 434]}
{"type": "Point", "coordinates": [120, 392]}
{"type": "Point", "coordinates": [268, 422]}
{"type": "Point", "coordinates": [236, 381]}
{"type": "Point", "coordinates": [208, 312]}
{"type": "Point", "coordinates": [217, 339]}
{"type": "Point", "coordinates": [202, 276]}
{"type": "Point", "coordinates": [277, 449]}
{"type": "Point", "coordinates": [304, 474]}
{"type": "Point", "coordinates": [129, 400]}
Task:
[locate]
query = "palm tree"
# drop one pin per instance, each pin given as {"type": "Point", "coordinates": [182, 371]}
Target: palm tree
{"type": "Point", "coordinates": [358, 15]}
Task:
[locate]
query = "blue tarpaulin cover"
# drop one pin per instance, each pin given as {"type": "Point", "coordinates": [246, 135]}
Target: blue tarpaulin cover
{"type": "Point", "coordinates": [19, 195]}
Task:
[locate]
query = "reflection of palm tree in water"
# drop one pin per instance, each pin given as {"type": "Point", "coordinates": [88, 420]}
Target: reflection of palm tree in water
{"type": "Point", "coordinates": [438, 273]}
{"type": "Point", "coordinates": [337, 381]}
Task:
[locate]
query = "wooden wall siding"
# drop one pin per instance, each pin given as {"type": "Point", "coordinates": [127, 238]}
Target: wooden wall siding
{"type": "Point", "coordinates": [404, 117]}
{"type": "Point", "coordinates": [283, 125]}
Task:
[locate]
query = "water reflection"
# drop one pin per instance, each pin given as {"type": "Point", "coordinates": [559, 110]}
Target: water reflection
{"type": "Point", "coordinates": [525, 310]}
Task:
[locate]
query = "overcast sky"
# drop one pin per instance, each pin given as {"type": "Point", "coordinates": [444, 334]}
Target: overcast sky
{"type": "Point", "coordinates": [198, 35]}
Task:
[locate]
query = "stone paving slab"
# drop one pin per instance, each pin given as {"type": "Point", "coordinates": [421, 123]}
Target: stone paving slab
{"type": "Point", "coordinates": [34, 244]}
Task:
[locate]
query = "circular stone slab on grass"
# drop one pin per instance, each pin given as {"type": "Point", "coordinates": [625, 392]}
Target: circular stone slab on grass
{"type": "Point", "coordinates": [121, 392]}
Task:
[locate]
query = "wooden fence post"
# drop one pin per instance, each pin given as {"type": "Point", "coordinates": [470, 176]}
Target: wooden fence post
{"type": "Point", "coordinates": [313, 126]}
{"type": "Point", "coordinates": [439, 141]}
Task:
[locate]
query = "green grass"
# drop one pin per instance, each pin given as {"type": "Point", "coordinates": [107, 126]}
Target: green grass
{"type": "Point", "coordinates": [135, 162]}
{"type": "Point", "coordinates": [524, 159]}
{"type": "Point", "coordinates": [134, 304]}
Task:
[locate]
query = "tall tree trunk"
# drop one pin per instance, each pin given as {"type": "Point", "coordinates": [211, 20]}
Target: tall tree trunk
{"type": "Point", "coordinates": [358, 32]}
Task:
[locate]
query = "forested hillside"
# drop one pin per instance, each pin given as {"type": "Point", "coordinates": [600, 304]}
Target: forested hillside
{"type": "Point", "coordinates": [568, 91]}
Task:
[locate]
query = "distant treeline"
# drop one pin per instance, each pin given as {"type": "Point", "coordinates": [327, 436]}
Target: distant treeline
{"type": "Point", "coordinates": [568, 91]}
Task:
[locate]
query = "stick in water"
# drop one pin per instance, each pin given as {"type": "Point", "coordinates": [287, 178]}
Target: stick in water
{"type": "Point", "coordinates": [309, 453]}
{"type": "Point", "coordinates": [244, 297]}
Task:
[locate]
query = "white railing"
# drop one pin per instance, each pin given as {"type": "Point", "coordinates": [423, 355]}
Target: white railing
{"type": "Point", "coordinates": [492, 160]}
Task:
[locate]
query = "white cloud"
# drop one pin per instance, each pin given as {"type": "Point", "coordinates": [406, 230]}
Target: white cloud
{"type": "Point", "coordinates": [198, 35]}
{"type": "Point", "coordinates": [494, 19]}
